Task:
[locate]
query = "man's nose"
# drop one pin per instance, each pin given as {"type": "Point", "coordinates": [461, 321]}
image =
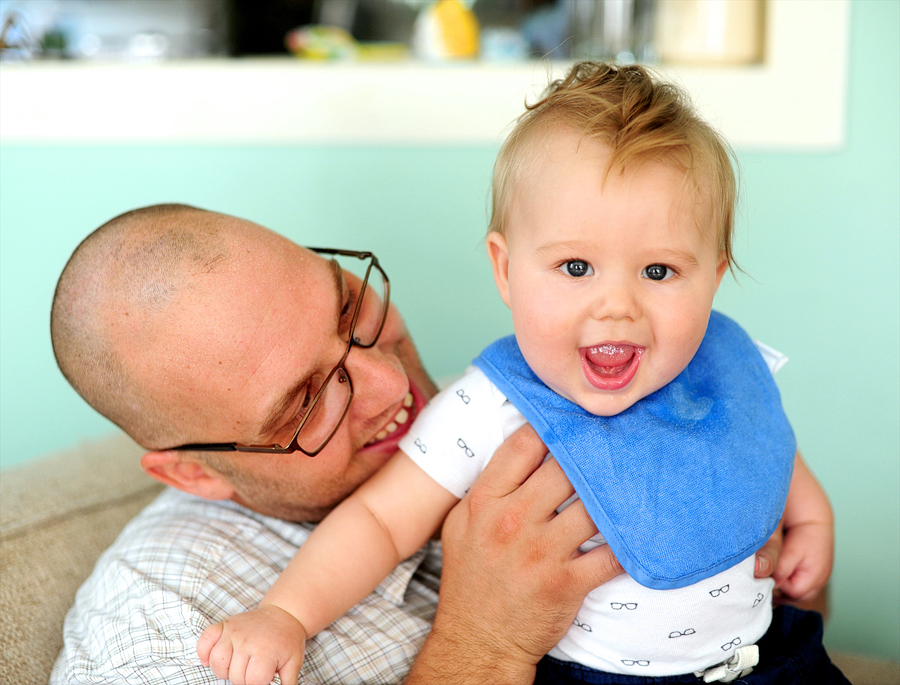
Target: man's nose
{"type": "Point", "coordinates": [379, 379]}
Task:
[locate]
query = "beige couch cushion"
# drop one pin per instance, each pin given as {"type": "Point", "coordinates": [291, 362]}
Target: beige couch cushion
{"type": "Point", "coordinates": [56, 516]}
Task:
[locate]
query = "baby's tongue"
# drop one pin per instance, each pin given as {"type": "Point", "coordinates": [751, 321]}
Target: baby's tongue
{"type": "Point", "coordinates": [609, 355]}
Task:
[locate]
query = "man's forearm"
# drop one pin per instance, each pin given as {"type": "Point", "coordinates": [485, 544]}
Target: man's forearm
{"type": "Point", "coordinates": [453, 658]}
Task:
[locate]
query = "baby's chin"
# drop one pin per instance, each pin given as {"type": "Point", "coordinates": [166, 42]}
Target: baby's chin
{"type": "Point", "coordinates": [600, 403]}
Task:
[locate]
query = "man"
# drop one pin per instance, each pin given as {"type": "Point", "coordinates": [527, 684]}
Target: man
{"type": "Point", "coordinates": [199, 333]}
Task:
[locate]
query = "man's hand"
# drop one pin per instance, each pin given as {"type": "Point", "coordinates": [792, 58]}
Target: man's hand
{"type": "Point", "coordinates": [513, 578]}
{"type": "Point", "coordinates": [250, 648]}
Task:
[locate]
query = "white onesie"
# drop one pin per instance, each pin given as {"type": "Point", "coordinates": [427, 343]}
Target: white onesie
{"type": "Point", "coordinates": [622, 627]}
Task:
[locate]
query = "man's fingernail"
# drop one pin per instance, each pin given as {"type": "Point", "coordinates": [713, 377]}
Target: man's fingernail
{"type": "Point", "coordinates": [762, 564]}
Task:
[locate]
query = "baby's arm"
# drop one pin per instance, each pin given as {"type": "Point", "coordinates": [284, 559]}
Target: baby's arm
{"type": "Point", "coordinates": [354, 548]}
{"type": "Point", "coordinates": [807, 553]}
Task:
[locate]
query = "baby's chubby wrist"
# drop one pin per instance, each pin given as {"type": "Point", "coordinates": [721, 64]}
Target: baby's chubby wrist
{"type": "Point", "coordinates": [285, 617]}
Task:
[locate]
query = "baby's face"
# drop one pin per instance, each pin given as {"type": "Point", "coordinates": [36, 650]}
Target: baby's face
{"type": "Point", "coordinates": [610, 283]}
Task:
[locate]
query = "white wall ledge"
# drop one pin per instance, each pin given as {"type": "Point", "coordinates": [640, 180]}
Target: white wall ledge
{"type": "Point", "coordinates": [795, 101]}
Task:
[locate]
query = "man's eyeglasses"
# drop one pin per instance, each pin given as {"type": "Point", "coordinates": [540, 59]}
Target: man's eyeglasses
{"type": "Point", "coordinates": [326, 405]}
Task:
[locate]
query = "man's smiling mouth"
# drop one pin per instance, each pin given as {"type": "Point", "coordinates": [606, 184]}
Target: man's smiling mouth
{"type": "Point", "coordinates": [399, 422]}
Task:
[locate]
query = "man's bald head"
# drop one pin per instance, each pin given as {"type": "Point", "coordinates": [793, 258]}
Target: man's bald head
{"type": "Point", "coordinates": [116, 287]}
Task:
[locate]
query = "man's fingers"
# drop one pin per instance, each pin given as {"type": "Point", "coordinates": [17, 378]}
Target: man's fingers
{"type": "Point", "coordinates": [574, 524]}
{"type": "Point", "coordinates": [597, 567]}
{"type": "Point", "coordinates": [512, 463]}
{"type": "Point", "coordinates": [546, 489]}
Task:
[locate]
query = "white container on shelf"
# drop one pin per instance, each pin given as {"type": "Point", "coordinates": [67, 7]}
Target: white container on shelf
{"type": "Point", "coordinates": [710, 31]}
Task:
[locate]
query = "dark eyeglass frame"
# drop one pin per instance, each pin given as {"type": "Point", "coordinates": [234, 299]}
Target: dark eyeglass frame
{"type": "Point", "coordinates": [344, 376]}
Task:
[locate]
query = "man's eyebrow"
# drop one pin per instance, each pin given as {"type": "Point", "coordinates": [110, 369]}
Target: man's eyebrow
{"type": "Point", "coordinates": [281, 405]}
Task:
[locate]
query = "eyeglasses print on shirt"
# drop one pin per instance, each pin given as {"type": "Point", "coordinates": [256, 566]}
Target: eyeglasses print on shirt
{"type": "Point", "coordinates": [759, 598]}
{"type": "Point", "coordinates": [635, 662]}
{"type": "Point", "coordinates": [618, 606]}
{"type": "Point", "coordinates": [421, 445]}
{"type": "Point", "coordinates": [462, 445]}
{"type": "Point", "coordinates": [463, 396]}
{"type": "Point", "coordinates": [721, 591]}
{"type": "Point", "coordinates": [682, 633]}
{"type": "Point", "coordinates": [584, 626]}
{"type": "Point", "coordinates": [728, 645]}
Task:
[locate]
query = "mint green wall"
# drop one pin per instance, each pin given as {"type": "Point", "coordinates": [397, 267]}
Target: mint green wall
{"type": "Point", "coordinates": [818, 237]}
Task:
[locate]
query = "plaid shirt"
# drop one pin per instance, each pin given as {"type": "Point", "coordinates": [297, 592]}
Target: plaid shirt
{"type": "Point", "coordinates": [185, 563]}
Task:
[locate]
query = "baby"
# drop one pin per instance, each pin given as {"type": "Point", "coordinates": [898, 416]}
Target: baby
{"type": "Point", "coordinates": [611, 231]}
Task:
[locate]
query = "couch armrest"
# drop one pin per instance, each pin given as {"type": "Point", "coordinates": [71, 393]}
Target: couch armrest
{"type": "Point", "coordinates": [57, 515]}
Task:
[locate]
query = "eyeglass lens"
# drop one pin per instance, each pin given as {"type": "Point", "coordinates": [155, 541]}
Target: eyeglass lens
{"type": "Point", "coordinates": [371, 312]}
{"type": "Point", "coordinates": [329, 411]}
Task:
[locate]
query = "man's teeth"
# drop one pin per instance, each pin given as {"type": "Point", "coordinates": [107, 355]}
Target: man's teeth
{"type": "Point", "coordinates": [399, 419]}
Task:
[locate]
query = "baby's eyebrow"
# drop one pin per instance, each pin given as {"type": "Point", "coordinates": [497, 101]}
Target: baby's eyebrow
{"type": "Point", "coordinates": [682, 256]}
{"type": "Point", "coordinates": [573, 247]}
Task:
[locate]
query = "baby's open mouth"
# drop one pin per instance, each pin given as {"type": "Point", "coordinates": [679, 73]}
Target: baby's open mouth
{"type": "Point", "coordinates": [611, 366]}
{"type": "Point", "coordinates": [400, 420]}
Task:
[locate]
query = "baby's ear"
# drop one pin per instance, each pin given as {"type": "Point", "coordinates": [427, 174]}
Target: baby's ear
{"type": "Point", "coordinates": [721, 269]}
{"type": "Point", "coordinates": [178, 471]}
{"type": "Point", "coordinates": [498, 252]}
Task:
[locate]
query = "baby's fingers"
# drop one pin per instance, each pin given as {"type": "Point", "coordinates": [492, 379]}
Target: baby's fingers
{"type": "Point", "coordinates": [207, 641]}
{"type": "Point", "coordinates": [261, 671]}
{"type": "Point", "coordinates": [290, 671]}
{"type": "Point", "coordinates": [802, 585]}
{"type": "Point", "coordinates": [788, 564]}
{"type": "Point", "coordinates": [220, 658]}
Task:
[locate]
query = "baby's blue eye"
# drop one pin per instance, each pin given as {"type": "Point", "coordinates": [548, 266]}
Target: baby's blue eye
{"type": "Point", "coordinates": [577, 268]}
{"type": "Point", "coordinates": [658, 272]}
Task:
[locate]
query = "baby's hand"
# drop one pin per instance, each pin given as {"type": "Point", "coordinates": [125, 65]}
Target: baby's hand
{"type": "Point", "coordinates": [806, 558]}
{"type": "Point", "coordinates": [250, 648]}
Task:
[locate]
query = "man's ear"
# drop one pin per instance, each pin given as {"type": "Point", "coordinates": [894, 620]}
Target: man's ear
{"type": "Point", "coordinates": [176, 470]}
{"type": "Point", "coordinates": [498, 252]}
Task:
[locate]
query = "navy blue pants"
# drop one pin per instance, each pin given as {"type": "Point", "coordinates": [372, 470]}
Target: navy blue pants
{"type": "Point", "coordinates": [790, 653]}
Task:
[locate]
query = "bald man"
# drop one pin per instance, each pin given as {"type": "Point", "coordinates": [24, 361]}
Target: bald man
{"type": "Point", "coordinates": [267, 381]}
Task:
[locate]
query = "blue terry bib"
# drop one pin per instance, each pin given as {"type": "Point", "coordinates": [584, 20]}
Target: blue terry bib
{"type": "Point", "coordinates": [686, 482]}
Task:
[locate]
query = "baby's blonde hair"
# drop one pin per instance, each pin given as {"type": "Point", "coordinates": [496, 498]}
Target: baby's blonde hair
{"type": "Point", "coordinates": [640, 119]}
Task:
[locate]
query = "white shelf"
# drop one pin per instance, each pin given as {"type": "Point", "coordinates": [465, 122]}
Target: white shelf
{"type": "Point", "coordinates": [796, 100]}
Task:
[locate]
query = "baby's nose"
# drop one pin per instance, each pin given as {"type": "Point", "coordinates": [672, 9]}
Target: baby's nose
{"type": "Point", "coordinates": [615, 299]}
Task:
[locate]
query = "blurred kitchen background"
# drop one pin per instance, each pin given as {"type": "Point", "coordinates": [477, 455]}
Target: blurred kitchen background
{"type": "Point", "coordinates": [724, 31]}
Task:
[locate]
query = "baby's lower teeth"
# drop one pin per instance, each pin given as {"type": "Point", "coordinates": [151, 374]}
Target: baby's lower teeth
{"type": "Point", "coordinates": [408, 401]}
{"type": "Point", "coordinates": [380, 435]}
{"type": "Point", "coordinates": [391, 427]}
{"type": "Point", "coordinates": [402, 416]}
